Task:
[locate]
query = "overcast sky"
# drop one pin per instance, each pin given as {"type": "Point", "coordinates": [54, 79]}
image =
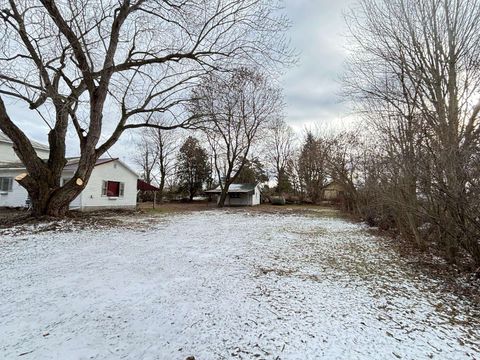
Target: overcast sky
{"type": "Point", "coordinates": [311, 87]}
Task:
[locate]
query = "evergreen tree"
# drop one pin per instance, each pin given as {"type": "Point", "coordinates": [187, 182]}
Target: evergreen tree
{"type": "Point", "coordinates": [193, 169]}
{"type": "Point", "coordinates": [312, 167]}
{"type": "Point", "coordinates": [252, 172]}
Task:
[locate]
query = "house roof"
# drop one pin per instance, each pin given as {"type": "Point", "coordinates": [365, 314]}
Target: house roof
{"type": "Point", "coordinates": [36, 145]}
{"type": "Point", "coordinates": [12, 165]}
{"type": "Point", "coordinates": [235, 188]}
{"type": "Point", "coordinates": [144, 186]}
{"type": "Point", "coordinates": [332, 183]}
{"type": "Point", "coordinates": [72, 164]}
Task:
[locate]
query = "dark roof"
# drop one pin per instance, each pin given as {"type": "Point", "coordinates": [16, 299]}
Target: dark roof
{"type": "Point", "coordinates": [36, 145]}
{"type": "Point", "coordinates": [235, 188]}
{"type": "Point", "coordinates": [144, 186]}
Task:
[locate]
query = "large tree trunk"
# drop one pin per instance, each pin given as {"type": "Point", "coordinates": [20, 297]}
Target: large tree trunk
{"type": "Point", "coordinates": [161, 187]}
{"type": "Point", "coordinates": [223, 197]}
{"type": "Point", "coordinates": [55, 205]}
{"type": "Point", "coordinates": [48, 200]}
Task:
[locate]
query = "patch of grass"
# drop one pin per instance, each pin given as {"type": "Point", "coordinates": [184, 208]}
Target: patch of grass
{"type": "Point", "coordinates": [308, 233]}
{"type": "Point", "coordinates": [276, 271]}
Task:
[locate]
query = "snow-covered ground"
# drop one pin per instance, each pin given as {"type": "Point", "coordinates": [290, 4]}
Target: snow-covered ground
{"type": "Point", "coordinates": [223, 285]}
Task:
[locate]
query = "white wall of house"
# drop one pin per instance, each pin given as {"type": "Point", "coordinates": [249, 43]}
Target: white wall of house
{"type": "Point", "coordinates": [7, 154]}
{"type": "Point", "coordinates": [92, 198]}
{"type": "Point", "coordinates": [17, 197]}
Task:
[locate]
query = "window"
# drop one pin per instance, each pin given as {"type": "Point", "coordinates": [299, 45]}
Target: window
{"type": "Point", "coordinates": [113, 189]}
{"type": "Point", "coordinates": [234, 195]}
{"type": "Point", "coordinates": [6, 184]}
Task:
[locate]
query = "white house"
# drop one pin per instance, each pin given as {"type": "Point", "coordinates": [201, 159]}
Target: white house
{"type": "Point", "coordinates": [240, 194]}
{"type": "Point", "coordinates": [112, 184]}
{"type": "Point", "coordinates": [7, 155]}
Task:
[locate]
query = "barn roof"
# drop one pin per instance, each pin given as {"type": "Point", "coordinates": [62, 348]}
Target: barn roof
{"type": "Point", "coordinates": [36, 145]}
{"type": "Point", "coordinates": [144, 186]}
{"type": "Point", "coordinates": [235, 188]}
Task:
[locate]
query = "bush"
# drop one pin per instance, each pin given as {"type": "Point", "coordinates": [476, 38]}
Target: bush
{"type": "Point", "coordinates": [277, 200]}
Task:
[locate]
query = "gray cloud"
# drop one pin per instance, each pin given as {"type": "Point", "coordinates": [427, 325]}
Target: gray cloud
{"type": "Point", "coordinates": [312, 87]}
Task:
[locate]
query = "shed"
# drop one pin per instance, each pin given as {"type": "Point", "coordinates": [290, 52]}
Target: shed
{"type": "Point", "coordinates": [333, 191]}
{"type": "Point", "coordinates": [240, 194]}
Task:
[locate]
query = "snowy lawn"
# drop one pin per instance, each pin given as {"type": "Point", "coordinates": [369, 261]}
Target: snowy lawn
{"type": "Point", "coordinates": [223, 285]}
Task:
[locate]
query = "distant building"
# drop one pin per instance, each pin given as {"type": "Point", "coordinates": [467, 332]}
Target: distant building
{"type": "Point", "coordinates": [240, 194]}
{"type": "Point", "coordinates": [333, 191]}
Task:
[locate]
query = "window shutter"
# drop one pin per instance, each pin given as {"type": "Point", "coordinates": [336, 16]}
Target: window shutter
{"type": "Point", "coordinates": [122, 189]}
{"type": "Point", "coordinates": [6, 184]}
{"type": "Point", "coordinates": [104, 188]}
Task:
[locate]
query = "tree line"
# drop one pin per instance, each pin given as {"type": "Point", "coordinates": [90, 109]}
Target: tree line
{"type": "Point", "coordinates": [414, 76]}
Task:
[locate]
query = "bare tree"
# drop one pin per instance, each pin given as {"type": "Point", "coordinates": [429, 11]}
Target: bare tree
{"type": "Point", "coordinates": [414, 72]}
{"type": "Point", "coordinates": [240, 105]}
{"type": "Point", "coordinates": [343, 164]}
{"type": "Point", "coordinates": [155, 155]}
{"type": "Point", "coordinates": [74, 59]}
{"type": "Point", "coordinates": [145, 156]}
{"type": "Point", "coordinates": [279, 150]}
{"type": "Point", "coordinates": [166, 143]}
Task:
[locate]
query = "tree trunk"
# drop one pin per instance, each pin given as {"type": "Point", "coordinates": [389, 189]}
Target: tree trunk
{"type": "Point", "coordinates": [54, 206]}
{"type": "Point", "coordinates": [161, 186]}
{"type": "Point", "coordinates": [223, 197]}
{"type": "Point", "coordinates": [56, 203]}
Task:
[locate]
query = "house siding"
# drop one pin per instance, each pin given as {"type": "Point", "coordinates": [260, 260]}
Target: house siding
{"type": "Point", "coordinates": [92, 198]}
{"type": "Point", "coordinates": [332, 192]}
{"type": "Point", "coordinates": [243, 200]}
{"type": "Point", "coordinates": [18, 196]}
{"type": "Point", "coordinates": [7, 154]}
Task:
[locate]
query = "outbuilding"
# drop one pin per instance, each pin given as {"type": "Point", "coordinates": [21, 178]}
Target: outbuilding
{"type": "Point", "coordinates": [240, 194]}
{"type": "Point", "coordinates": [333, 191]}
